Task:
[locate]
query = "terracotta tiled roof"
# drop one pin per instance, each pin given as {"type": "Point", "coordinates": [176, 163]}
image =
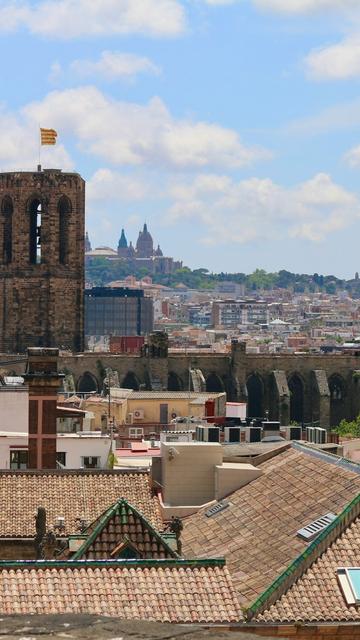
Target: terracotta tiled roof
{"type": "Point", "coordinates": [317, 596]}
{"type": "Point", "coordinates": [257, 532]}
{"type": "Point", "coordinates": [163, 591]}
{"type": "Point", "coordinates": [72, 495]}
{"type": "Point", "coordinates": [122, 529]}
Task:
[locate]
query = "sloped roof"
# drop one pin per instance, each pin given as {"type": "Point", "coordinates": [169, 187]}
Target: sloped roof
{"type": "Point", "coordinates": [163, 591]}
{"type": "Point", "coordinates": [257, 532]}
{"type": "Point", "coordinates": [79, 494]}
{"type": "Point", "coordinates": [316, 596]}
{"type": "Point", "coordinates": [123, 526]}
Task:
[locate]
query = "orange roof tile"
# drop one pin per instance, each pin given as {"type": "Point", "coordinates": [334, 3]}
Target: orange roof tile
{"type": "Point", "coordinates": [257, 532]}
{"type": "Point", "coordinates": [162, 591]}
{"type": "Point", "coordinates": [72, 495]}
{"type": "Point", "coordinates": [122, 527]}
{"type": "Point", "coordinates": [317, 595]}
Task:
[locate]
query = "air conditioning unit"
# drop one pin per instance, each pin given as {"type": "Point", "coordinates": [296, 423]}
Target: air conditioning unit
{"type": "Point", "coordinates": [253, 434]}
{"type": "Point", "coordinates": [138, 414]}
{"type": "Point", "coordinates": [310, 434]}
{"type": "Point", "coordinates": [199, 434]}
{"type": "Point", "coordinates": [232, 434]}
{"type": "Point", "coordinates": [208, 434]}
{"type": "Point", "coordinates": [293, 433]}
{"type": "Point", "coordinates": [130, 418]}
{"type": "Point", "coordinates": [320, 435]}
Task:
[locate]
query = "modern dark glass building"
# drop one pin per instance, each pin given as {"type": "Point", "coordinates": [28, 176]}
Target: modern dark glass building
{"type": "Point", "coordinates": [118, 312]}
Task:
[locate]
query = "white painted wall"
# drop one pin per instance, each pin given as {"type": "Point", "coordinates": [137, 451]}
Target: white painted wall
{"type": "Point", "coordinates": [14, 410]}
{"type": "Point", "coordinates": [9, 442]}
{"type": "Point", "coordinates": [77, 446]}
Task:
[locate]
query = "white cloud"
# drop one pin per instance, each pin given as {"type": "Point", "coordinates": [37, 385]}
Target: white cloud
{"type": "Point", "coordinates": [113, 64]}
{"type": "Point", "coordinates": [339, 117]}
{"type": "Point", "coordinates": [127, 133]}
{"type": "Point", "coordinates": [75, 18]}
{"type": "Point", "coordinates": [335, 62]}
{"type": "Point", "coordinates": [220, 2]}
{"type": "Point", "coordinates": [295, 7]}
{"type": "Point", "coordinates": [108, 185]}
{"type": "Point", "coordinates": [259, 209]}
{"type": "Point", "coordinates": [19, 143]}
{"type": "Point", "coordinates": [352, 157]}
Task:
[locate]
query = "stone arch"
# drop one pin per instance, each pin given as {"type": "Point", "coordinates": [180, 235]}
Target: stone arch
{"type": "Point", "coordinates": [64, 211]}
{"type": "Point", "coordinates": [35, 212]}
{"type": "Point", "coordinates": [7, 210]}
{"type": "Point", "coordinates": [174, 382]}
{"type": "Point", "coordinates": [87, 383]}
{"type": "Point", "coordinates": [337, 388]}
{"type": "Point", "coordinates": [214, 384]}
{"type": "Point", "coordinates": [255, 393]}
{"type": "Point", "coordinates": [131, 381]}
{"type": "Point", "coordinates": [296, 388]}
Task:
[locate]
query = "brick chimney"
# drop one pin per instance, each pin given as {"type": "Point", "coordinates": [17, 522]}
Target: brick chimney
{"type": "Point", "coordinates": [43, 379]}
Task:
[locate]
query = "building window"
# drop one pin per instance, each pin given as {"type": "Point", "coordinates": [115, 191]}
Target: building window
{"type": "Point", "coordinates": [61, 459]}
{"type": "Point", "coordinates": [91, 462]}
{"type": "Point", "coordinates": [19, 459]}
{"type": "Point", "coordinates": [64, 210]}
{"type": "Point", "coordinates": [136, 432]}
{"type": "Point", "coordinates": [35, 232]}
{"type": "Point", "coordinates": [7, 211]}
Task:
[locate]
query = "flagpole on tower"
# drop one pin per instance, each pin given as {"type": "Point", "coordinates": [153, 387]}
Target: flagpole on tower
{"type": "Point", "coordinates": [39, 165]}
{"type": "Point", "coordinates": [47, 136]}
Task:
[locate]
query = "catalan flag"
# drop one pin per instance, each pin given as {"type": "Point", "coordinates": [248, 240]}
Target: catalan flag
{"type": "Point", "coordinates": [48, 136]}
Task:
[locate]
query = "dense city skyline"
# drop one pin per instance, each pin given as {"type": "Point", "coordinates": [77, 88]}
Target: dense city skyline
{"type": "Point", "coordinates": [231, 127]}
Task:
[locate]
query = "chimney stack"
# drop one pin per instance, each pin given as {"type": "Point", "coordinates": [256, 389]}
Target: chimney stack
{"type": "Point", "coordinates": [44, 380]}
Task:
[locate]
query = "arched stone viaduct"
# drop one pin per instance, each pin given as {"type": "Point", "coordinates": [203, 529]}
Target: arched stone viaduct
{"type": "Point", "coordinates": [301, 388]}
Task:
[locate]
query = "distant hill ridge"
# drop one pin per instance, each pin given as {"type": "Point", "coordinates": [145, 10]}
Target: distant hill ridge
{"type": "Point", "coordinates": [102, 271]}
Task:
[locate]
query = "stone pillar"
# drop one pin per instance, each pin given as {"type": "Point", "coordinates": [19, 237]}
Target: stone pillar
{"type": "Point", "coordinates": [320, 401]}
{"type": "Point", "coordinates": [157, 362]}
{"type": "Point", "coordinates": [238, 369]}
{"type": "Point", "coordinates": [281, 397]}
{"type": "Point", "coordinates": [43, 379]}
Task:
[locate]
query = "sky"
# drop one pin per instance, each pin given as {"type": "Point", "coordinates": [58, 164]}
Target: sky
{"type": "Point", "coordinates": [232, 127]}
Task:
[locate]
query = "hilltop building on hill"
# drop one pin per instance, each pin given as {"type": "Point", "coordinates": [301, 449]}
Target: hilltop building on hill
{"type": "Point", "coordinates": [142, 255]}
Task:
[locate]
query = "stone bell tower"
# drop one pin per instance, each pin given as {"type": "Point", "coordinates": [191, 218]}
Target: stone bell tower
{"type": "Point", "coordinates": [42, 217]}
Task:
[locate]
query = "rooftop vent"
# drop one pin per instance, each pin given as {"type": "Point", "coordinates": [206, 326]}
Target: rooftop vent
{"type": "Point", "coordinates": [220, 506]}
{"type": "Point", "coordinates": [313, 529]}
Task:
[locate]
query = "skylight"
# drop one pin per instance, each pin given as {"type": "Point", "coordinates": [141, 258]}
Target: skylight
{"type": "Point", "coordinates": [220, 506]}
{"type": "Point", "coordinates": [313, 529]}
{"type": "Point", "coordinates": [349, 579]}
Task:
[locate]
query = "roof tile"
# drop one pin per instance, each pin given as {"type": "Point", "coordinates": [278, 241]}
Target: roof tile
{"type": "Point", "coordinates": [269, 511]}
{"type": "Point", "coordinates": [72, 495]}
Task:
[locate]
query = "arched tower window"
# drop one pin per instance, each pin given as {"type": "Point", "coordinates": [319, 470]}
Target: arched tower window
{"type": "Point", "coordinates": [7, 212]}
{"type": "Point", "coordinates": [35, 212]}
{"type": "Point", "coordinates": [255, 391]}
{"type": "Point", "coordinates": [64, 210]}
{"type": "Point", "coordinates": [296, 389]}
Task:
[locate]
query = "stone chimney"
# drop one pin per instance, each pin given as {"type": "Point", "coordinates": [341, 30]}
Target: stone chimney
{"type": "Point", "coordinates": [43, 379]}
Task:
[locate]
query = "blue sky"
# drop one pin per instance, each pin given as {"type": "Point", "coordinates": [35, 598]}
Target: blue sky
{"type": "Point", "coordinates": [231, 127]}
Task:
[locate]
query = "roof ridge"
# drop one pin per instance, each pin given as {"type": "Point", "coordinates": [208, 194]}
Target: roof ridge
{"type": "Point", "coordinates": [331, 458]}
{"type": "Point", "coordinates": [73, 472]}
{"type": "Point", "coordinates": [304, 561]}
{"type": "Point", "coordinates": [118, 562]}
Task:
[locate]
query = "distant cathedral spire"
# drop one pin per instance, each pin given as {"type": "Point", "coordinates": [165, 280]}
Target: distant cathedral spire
{"type": "Point", "coordinates": [144, 244]}
{"type": "Point", "coordinates": [87, 243]}
{"type": "Point", "coordinates": [122, 242]}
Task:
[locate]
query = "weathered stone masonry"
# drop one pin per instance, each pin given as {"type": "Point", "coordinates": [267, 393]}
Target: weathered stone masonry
{"type": "Point", "coordinates": [300, 388]}
{"type": "Point", "coordinates": [42, 217]}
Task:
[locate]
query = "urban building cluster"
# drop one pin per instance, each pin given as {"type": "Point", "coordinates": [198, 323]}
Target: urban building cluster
{"type": "Point", "coordinates": [169, 484]}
